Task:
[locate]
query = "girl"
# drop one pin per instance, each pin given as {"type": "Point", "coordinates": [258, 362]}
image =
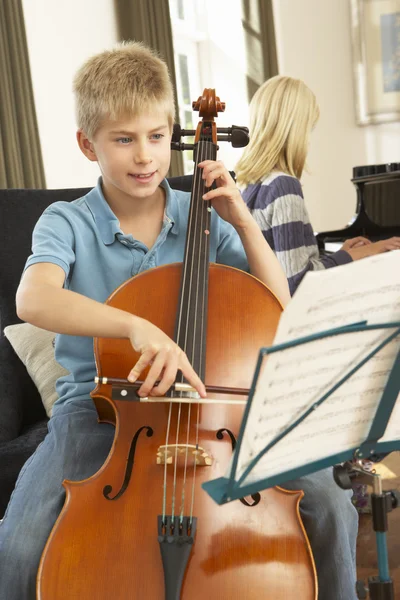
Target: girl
{"type": "Point", "coordinates": [283, 113]}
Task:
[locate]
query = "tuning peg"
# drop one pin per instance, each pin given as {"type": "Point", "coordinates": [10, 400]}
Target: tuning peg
{"type": "Point", "coordinates": [181, 146]}
{"type": "Point", "coordinates": [238, 136]}
{"type": "Point", "coordinates": [178, 132]}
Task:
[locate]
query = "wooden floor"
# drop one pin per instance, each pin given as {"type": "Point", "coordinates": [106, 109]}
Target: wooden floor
{"type": "Point", "coordinates": [367, 564]}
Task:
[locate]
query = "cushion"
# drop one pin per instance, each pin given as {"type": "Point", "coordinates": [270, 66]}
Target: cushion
{"type": "Point", "coordinates": [13, 456]}
{"type": "Point", "coordinates": [35, 348]}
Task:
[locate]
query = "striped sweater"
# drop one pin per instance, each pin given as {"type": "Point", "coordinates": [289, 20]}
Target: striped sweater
{"type": "Point", "coordinates": [277, 204]}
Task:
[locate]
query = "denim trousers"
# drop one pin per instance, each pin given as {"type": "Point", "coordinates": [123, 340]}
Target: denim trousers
{"type": "Point", "coordinates": [77, 446]}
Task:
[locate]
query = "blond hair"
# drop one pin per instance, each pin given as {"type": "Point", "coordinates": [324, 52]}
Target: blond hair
{"type": "Point", "coordinates": [283, 112]}
{"type": "Point", "coordinates": [123, 81]}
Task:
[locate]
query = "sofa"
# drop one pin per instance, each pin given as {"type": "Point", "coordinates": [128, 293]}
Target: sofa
{"type": "Point", "coordinates": [23, 418]}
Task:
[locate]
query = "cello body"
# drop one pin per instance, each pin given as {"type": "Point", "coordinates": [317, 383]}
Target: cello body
{"type": "Point", "coordinates": [102, 548]}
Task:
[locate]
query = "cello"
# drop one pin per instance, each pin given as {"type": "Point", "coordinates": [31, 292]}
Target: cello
{"type": "Point", "coordinates": [142, 527]}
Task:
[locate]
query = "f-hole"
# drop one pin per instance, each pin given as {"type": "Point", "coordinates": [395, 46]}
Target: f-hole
{"type": "Point", "coordinates": [255, 497]}
{"type": "Point", "coordinates": [129, 465]}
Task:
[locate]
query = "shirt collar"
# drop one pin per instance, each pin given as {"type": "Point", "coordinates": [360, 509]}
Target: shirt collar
{"type": "Point", "coordinates": [108, 224]}
{"type": "Point", "coordinates": [171, 206]}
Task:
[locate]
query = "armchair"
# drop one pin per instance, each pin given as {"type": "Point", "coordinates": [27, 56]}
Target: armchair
{"type": "Point", "coordinates": [23, 420]}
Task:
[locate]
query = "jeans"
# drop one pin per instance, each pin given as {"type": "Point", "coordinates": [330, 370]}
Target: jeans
{"type": "Point", "coordinates": [76, 447]}
{"type": "Point", "coordinates": [331, 523]}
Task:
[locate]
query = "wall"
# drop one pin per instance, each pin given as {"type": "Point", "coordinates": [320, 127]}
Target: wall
{"type": "Point", "coordinates": [314, 44]}
{"type": "Point", "coordinates": [61, 36]}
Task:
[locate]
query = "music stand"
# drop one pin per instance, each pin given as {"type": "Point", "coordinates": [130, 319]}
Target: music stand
{"type": "Point", "coordinates": [278, 439]}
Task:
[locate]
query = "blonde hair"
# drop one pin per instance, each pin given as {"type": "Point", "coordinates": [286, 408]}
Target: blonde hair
{"type": "Point", "coordinates": [283, 112]}
{"type": "Point", "coordinates": [123, 81]}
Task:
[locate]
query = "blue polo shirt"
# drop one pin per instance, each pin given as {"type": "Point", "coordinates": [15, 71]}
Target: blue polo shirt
{"type": "Point", "coordinates": [84, 238]}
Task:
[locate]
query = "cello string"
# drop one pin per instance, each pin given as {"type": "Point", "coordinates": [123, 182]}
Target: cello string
{"type": "Point", "coordinates": [180, 319]}
{"type": "Point", "coordinates": [185, 266]}
{"type": "Point", "coordinates": [204, 240]}
{"type": "Point", "coordinates": [182, 508]}
{"type": "Point", "coordinates": [164, 500]}
{"type": "Point", "coordinates": [197, 206]}
{"type": "Point", "coordinates": [194, 466]}
{"type": "Point", "coordinates": [179, 323]}
{"type": "Point", "coordinates": [175, 464]}
{"type": "Point", "coordinates": [202, 150]}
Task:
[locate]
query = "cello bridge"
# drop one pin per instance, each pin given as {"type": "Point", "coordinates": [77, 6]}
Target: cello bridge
{"type": "Point", "coordinates": [169, 453]}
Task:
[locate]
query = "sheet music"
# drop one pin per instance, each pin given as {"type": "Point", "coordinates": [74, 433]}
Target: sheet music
{"type": "Point", "coordinates": [292, 380]}
{"type": "Point", "coordinates": [393, 428]}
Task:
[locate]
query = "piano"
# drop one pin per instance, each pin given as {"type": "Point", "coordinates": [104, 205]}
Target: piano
{"type": "Point", "coordinates": [378, 207]}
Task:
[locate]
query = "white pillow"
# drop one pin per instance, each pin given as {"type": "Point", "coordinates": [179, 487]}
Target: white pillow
{"type": "Point", "coordinates": [35, 348]}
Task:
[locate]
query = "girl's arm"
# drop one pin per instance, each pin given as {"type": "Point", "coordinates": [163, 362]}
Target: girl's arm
{"type": "Point", "coordinates": [281, 214]}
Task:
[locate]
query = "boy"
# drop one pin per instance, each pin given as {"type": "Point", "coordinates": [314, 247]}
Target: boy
{"type": "Point", "coordinates": [82, 251]}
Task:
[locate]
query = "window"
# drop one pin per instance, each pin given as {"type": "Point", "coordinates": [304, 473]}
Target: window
{"type": "Point", "coordinates": [209, 53]}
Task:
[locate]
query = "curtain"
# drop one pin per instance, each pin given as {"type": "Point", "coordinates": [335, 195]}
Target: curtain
{"type": "Point", "coordinates": [21, 164]}
{"type": "Point", "coordinates": [259, 30]}
{"type": "Point", "coordinates": [149, 21]}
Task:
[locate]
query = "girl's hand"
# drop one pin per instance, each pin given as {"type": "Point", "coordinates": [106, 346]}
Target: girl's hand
{"type": "Point", "coordinates": [364, 251]}
{"type": "Point", "coordinates": [355, 243]}
{"type": "Point", "coordinates": [165, 358]}
{"type": "Point", "coordinates": [226, 199]}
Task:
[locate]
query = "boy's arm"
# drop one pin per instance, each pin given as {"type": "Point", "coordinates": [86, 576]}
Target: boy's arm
{"type": "Point", "coordinates": [42, 301]}
{"type": "Point", "coordinates": [229, 204]}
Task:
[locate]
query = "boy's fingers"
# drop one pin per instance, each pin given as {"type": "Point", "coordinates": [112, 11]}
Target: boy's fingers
{"type": "Point", "coordinates": [141, 364]}
{"type": "Point", "coordinates": [221, 191]}
{"type": "Point", "coordinates": [212, 166]}
{"type": "Point", "coordinates": [153, 374]}
{"type": "Point", "coordinates": [167, 378]}
{"type": "Point", "coordinates": [212, 173]}
{"type": "Point", "coordinates": [192, 377]}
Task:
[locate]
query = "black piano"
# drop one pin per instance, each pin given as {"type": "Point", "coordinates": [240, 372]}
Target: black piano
{"type": "Point", "coordinates": [378, 206]}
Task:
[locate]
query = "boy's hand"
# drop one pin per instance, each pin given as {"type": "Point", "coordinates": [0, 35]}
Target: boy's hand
{"type": "Point", "coordinates": [165, 358]}
{"type": "Point", "coordinates": [226, 199]}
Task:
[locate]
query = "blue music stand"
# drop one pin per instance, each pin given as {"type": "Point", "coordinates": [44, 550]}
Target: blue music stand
{"type": "Point", "coordinates": [234, 486]}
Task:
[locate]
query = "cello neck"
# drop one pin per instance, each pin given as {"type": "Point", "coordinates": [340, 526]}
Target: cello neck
{"type": "Point", "coordinates": [190, 328]}
{"type": "Point", "coordinates": [191, 322]}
